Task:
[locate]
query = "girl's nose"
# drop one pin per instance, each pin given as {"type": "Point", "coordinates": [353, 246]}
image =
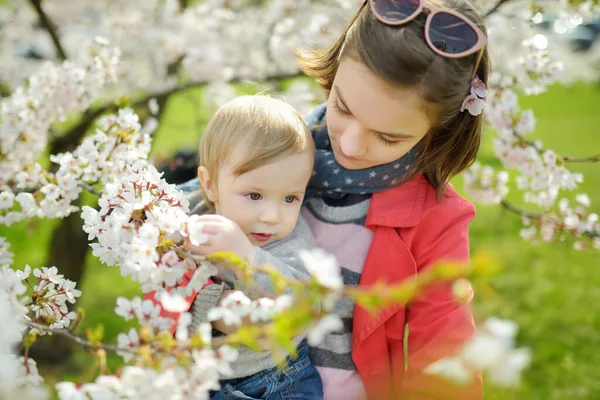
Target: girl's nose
{"type": "Point", "coordinates": [353, 142]}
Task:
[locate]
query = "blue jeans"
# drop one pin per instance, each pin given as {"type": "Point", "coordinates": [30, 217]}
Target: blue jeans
{"type": "Point", "coordinates": [297, 380]}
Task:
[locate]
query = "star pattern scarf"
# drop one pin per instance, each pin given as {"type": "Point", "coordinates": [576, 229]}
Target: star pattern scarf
{"type": "Point", "coordinates": [332, 180]}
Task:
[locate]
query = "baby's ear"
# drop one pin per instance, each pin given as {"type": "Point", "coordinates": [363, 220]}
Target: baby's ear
{"type": "Point", "coordinates": [207, 184]}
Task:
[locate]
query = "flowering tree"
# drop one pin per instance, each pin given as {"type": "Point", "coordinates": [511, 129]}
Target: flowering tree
{"type": "Point", "coordinates": [141, 221]}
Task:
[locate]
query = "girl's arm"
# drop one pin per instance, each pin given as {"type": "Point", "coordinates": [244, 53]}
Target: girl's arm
{"type": "Point", "coordinates": [439, 324]}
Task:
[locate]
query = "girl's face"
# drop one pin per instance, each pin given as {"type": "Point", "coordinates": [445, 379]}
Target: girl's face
{"type": "Point", "coordinates": [370, 122]}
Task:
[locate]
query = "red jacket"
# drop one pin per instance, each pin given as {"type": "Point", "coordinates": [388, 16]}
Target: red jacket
{"type": "Point", "coordinates": [411, 232]}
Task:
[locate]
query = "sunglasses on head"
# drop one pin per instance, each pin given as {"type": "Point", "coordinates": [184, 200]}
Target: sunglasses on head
{"type": "Point", "coordinates": [449, 33]}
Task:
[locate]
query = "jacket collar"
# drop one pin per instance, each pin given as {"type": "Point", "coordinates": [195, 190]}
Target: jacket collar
{"type": "Point", "coordinates": [399, 207]}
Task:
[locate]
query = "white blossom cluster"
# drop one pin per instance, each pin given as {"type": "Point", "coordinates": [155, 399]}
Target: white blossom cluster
{"type": "Point", "coordinates": [209, 40]}
{"type": "Point", "coordinates": [26, 189]}
{"type": "Point", "coordinates": [49, 297]}
{"type": "Point", "coordinates": [575, 220]}
{"type": "Point", "coordinates": [484, 185]}
{"type": "Point", "coordinates": [98, 159]}
{"type": "Point", "coordinates": [325, 271]}
{"type": "Point", "coordinates": [542, 173]}
{"type": "Point", "coordinates": [141, 218]}
{"type": "Point", "coordinates": [19, 376]}
{"type": "Point", "coordinates": [171, 381]}
{"type": "Point", "coordinates": [51, 95]}
{"type": "Point", "coordinates": [492, 352]}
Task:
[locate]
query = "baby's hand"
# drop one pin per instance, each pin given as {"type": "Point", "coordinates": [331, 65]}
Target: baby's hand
{"type": "Point", "coordinates": [223, 235]}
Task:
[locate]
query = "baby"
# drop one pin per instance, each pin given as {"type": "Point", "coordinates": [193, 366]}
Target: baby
{"type": "Point", "coordinates": [256, 158]}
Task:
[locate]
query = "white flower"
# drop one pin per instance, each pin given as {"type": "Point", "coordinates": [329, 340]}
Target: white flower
{"type": "Point", "coordinates": [484, 351]}
{"type": "Point", "coordinates": [23, 274]}
{"type": "Point", "coordinates": [6, 199]}
{"type": "Point", "coordinates": [173, 302]}
{"type": "Point", "coordinates": [153, 106]}
{"type": "Point", "coordinates": [262, 310]}
{"type": "Point", "coordinates": [124, 308]}
{"type": "Point", "coordinates": [131, 341]}
{"type": "Point", "coordinates": [324, 267]}
{"type": "Point", "coordinates": [50, 274]}
{"type": "Point", "coordinates": [508, 373]}
{"type": "Point", "coordinates": [452, 369]}
{"type": "Point", "coordinates": [149, 234]}
{"type": "Point", "coordinates": [195, 232]}
{"type": "Point", "coordinates": [528, 233]}
{"type": "Point", "coordinates": [68, 391]}
{"type": "Point", "coordinates": [27, 202]}
{"type": "Point", "coordinates": [473, 104]}
{"type": "Point", "coordinates": [326, 325]}
{"type": "Point", "coordinates": [6, 257]}
{"type": "Point", "coordinates": [228, 316]}
{"type": "Point", "coordinates": [583, 199]}
{"type": "Point", "coordinates": [183, 323]}
{"type": "Point", "coordinates": [478, 87]}
{"type": "Point", "coordinates": [501, 328]}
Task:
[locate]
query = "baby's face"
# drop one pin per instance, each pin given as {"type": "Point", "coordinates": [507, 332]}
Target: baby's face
{"type": "Point", "coordinates": [266, 201]}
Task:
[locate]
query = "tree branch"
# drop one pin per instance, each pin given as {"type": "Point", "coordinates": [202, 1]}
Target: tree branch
{"type": "Point", "coordinates": [558, 224]}
{"type": "Point", "coordinates": [4, 90]}
{"type": "Point", "coordinates": [582, 159]}
{"type": "Point", "coordinates": [73, 136]}
{"type": "Point", "coordinates": [495, 8]}
{"type": "Point", "coordinates": [522, 213]}
{"type": "Point", "coordinates": [183, 4]}
{"type": "Point", "coordinates": [215, 343]}
{"type": "Point", "coordinates": [90, 189]}
{"type": "Point", "coordinates": [50, 27]}
{"type": "Point", "coordinates": [77, 339]}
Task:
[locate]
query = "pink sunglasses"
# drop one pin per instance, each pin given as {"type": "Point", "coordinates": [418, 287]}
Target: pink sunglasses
{"type": "Point", "coordinates": [450, 34]}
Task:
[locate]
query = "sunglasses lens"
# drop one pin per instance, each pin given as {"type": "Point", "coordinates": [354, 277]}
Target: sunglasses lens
{"type": "Point", "coordinates": [451, 34]}
{"type": "Point", "coordinates": [395, 11]}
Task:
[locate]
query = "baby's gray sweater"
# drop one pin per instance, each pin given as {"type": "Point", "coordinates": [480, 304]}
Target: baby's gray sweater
{"type": "Point", "coordinates": [283, 255]}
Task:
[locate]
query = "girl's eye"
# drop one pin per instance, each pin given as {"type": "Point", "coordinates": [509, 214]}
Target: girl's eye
{"type": "Point", "coordinates": [254, 196]}
{"type": "Point", "coordinates": [290, 199]}
{"type": "Point", "coordinates": [387, 142]}
{"type": "Point", "coordinates": [336, 108]}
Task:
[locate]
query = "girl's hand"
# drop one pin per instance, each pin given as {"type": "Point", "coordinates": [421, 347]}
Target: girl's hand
{"type": "Point", "coordinates": [223, 235]}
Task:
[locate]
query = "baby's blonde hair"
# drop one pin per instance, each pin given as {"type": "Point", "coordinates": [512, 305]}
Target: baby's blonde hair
{"type": "Point", "coordinates": [268, 128]}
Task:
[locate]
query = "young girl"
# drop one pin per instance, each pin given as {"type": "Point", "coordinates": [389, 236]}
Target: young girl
{"type": "Point", "coordinates": [397, 126]}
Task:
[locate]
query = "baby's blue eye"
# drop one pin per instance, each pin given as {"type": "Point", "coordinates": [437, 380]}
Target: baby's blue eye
{"type": "Point", "coordinates": [290, 199]}
{"type": "Point", "coordinates": [255, 196]}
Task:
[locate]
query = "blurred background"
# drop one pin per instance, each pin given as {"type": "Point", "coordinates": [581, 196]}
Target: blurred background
{"type": "Point", "coordinates": [551, 290]}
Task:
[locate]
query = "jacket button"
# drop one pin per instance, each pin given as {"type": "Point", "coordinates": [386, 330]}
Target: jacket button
{"type": "Point", "coordinates": [376, 375]}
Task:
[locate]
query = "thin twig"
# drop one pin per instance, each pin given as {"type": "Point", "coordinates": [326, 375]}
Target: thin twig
{"type": "Point", "coordinates": [74, 135]}
{"type": "Point", "coordinates": [495, 8]}
{"type": "Point", "coordinates": [566, 159]}
{"type": "Point", "coordinates": [50, 27]}
{"type": "Point", "coordinates": [581, 159]}
{"type": "Point", "coordinates": [558, 224]}
{"type": "Point", "coordinates": [77, 339]}
{"type": "Point", "coordinates": [516, 210]}
{"type": "Point", "coordinates": [90, 189]}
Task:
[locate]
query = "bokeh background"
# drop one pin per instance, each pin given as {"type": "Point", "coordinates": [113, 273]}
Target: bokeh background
{"type": "Point", "coordinates": [551, 290]}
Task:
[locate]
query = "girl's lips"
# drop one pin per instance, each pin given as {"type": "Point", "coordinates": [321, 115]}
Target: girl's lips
{"type": "Point", "coordinates": [262, 237]}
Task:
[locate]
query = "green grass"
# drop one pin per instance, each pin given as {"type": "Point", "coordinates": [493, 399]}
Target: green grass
{"type": "Point", "coordinates": [551, 290]}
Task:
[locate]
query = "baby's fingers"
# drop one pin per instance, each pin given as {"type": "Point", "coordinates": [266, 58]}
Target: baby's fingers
{"type": "Point", "coordinates": [212, 228]}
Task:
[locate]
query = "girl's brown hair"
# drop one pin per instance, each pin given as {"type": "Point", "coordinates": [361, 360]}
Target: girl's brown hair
{"type": "Point", "coordinates": [400, 56]}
